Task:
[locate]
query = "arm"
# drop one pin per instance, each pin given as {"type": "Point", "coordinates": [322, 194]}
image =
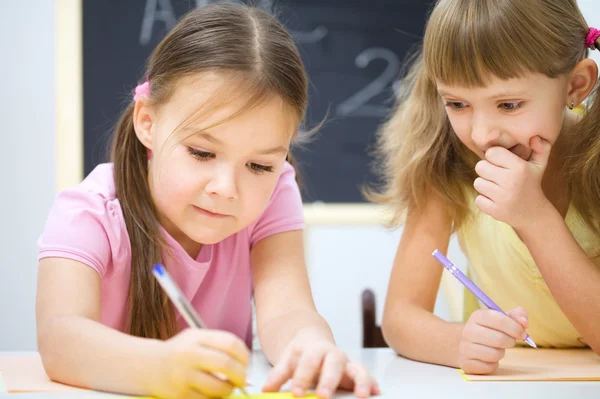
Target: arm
{"type": "Point", "coordinates": [409, 325]}
{"type": "Point", "coordinates": [284, 303]}
{"type": "Point", "coordinates": [293, 335]}
{"type": "Point", "coordinates": [77, 350]}
{"type": "Point", "coordinates": [97, 357]}
{"type": "Point", "coordinates": [571, 276]}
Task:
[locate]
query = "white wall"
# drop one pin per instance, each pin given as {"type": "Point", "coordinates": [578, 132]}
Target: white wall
{"type": "Point", "coordinates": [26, 159]}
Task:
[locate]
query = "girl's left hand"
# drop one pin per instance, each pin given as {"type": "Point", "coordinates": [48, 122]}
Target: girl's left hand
{"type": "Point", "coordinates": [304, 361]}
{"type": "Point", "coordinates": [510, 188]}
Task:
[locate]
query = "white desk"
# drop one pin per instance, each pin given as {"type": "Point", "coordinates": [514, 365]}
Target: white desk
{"type": "Point", "coordinates": [400, 378]}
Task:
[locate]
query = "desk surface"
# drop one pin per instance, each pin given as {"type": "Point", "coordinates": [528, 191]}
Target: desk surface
{"type": "Point", "coordinates": [402, 378]}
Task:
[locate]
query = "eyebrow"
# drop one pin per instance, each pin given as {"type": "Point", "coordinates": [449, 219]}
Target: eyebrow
{"type": "Point", "coordinates": [267, 151]}
{"type": "Point", "coordinates": [505, 94]}
{"type": "Point", "coordinates": [500, 94]}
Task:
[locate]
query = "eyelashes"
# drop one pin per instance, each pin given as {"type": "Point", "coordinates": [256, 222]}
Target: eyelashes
{"type": "Point", "coordinates": [204, 156]}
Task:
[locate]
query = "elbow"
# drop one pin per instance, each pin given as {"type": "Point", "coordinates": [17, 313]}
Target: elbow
{"type": "Point", "coordinates": [392, 329]}
{"type": "Point", "coordinates": [48, 350]}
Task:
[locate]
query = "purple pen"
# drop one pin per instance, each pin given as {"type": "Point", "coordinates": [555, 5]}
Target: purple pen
{"type": "Point", "coordinates": [455, 271]}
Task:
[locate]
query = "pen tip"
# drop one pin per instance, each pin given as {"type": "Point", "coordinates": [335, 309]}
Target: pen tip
{"type": "Point", "coordinates": [530, 342]}
{"type": "Point", "coordinates": [159, 269]}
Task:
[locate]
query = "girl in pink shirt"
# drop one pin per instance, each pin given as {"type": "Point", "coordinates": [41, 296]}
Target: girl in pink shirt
{"type": "Point", "coordinates": [198, 181]}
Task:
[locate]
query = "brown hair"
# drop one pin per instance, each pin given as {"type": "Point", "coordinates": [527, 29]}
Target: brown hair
{"type": "Point", "coordinates": [246, 46]}
{"type": "Point", "coordinates": [466, 42]}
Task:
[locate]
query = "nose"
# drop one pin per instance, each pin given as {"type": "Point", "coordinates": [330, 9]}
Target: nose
{"type": "Point", "coordinates": [484, 133]}
{"type": "Point", "coordinates": [223, 183]}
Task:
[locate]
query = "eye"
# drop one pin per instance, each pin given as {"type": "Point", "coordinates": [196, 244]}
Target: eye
{"type": "Point", "coordinates": [200, 155]}
{"type": "Point", "coordinates": [456, 105]}
{"type": "Point", "coordinates": [258, 168]}
{"type": "Point", "coordinates": [510, 106]}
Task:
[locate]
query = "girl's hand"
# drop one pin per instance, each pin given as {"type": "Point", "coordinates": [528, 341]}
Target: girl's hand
{"type": "Point", "coordinates": [305, 361]}
{"type": "Point", "coordinates": [510, 188]}
{"type": "Point", "coordinates": [186, 365]}
{"type": "Point", "coordinates": [486, 336]}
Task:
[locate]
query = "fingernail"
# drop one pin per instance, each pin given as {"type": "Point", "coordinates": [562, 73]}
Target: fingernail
{"type": "Point", "coordinates": [523, 319]}
{"type": "Point", "coordinates": [325, 392]}
{"type": "Point", "coordinates": [298, 392]}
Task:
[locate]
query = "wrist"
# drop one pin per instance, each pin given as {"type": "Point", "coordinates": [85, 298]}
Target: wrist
{"type": "Point", "coordinates": [545, 216]}
{"type": "Point", "coordinates": [313, 334]}
{"type": "Point", "coordinates": [150, 370]}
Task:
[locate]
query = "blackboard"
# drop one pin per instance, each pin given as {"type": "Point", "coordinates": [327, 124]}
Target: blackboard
{"type": "Point", "coordinates": [353, 52]}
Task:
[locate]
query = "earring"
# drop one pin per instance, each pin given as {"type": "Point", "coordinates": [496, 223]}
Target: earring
{"type": "Point", "coordinates": [572, 105]}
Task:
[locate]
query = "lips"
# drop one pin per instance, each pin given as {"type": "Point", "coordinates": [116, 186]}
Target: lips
{"type": "Point", "coordinates": [209, 213]}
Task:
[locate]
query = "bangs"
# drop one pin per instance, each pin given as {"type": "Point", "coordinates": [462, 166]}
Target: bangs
{"type": "Point", "coordinates": [218, 91]}
{"type": "Point", "coordinates": [468, 42]}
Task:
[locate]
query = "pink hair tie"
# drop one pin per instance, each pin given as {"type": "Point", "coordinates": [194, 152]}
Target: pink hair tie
{"type": "Point", "coordinates": [590, 40]}
{"type": "Point", "coordinates": [142, 90]}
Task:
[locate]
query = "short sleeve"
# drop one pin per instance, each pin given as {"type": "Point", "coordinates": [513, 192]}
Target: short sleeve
{"type": "Point", "coordinates": [79, 227]}
{"type": "Point", "coordinates": [284, 211]}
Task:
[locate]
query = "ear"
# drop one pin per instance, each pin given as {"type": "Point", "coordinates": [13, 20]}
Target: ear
{"type": "Point", "coordinates": [581, 81]}
{"type": "Point", "coordinates": [143, 121]}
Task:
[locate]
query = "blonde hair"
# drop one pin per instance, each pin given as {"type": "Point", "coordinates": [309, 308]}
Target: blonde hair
{"type": "Point", "coordinates": [465, 43]}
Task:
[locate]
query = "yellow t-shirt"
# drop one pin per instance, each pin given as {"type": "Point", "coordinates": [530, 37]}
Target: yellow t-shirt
{"type": "Point", "coordinates": [501, 265]}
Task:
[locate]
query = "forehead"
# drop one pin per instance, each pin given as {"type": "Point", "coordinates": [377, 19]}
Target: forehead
{"type": "Point", "coordinates": [222, 103]}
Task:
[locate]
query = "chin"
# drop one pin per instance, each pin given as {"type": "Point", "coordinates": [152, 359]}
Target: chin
{"type": "Point", "coordinates": [209, 236]}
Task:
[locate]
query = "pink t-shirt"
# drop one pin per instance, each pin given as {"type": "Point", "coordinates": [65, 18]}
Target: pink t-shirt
{"type": "Point", "coordinates": [86, 224]}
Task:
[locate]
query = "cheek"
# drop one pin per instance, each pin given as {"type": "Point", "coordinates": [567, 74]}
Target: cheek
{"type": "Point", "coordinates": [256, 195]}
{"type": "Point", "coordinates": [545, 125]}
{"type": "Point", "coordinates": [462, 129]}
{"type": "Point", "coordinates": [175, 180]}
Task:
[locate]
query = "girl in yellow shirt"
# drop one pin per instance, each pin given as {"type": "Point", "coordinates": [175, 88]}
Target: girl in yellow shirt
{"type": "Point", "coordinates": [484, 143]}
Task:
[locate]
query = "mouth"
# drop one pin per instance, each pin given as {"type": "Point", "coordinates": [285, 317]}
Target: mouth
{"type": "Point", "coordinates": [513, 148]}
{"type": "Point", "coordinates": [208, 213]}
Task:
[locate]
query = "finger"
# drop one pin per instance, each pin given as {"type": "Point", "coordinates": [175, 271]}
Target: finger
{"type": "Point", "coordinates": [307, 369]}
{"type": "Point", "coordinates": [540, 151]}
{"type": "Point", "coordinates": [489, 337]}
{"type": "Point", "coordinates": [489, 171]}
{"type": "Point", "coordinates": [332, 372]}
{"type": "Point", "coordinates": [226, 342]}
{"type": "Point", "coordinates": [484, 353]}
{"type": "Point", "coordinates": [486, 205]}
{"type": "Point", "coordinates": [363, 383]}
{"type": "Point", "coordinates": [498, 321]}
{"type": "Point", "coordinates": [501, 157]}
{"type": "Point", "coordinates": [487, 188]}
{"type": "Point", "coordinates": [473, 366]}
{"type": "Point", "coordinates": [376, 389]}
{"type": "Point", "coordinates": [501, 322]}
{"type": "Point", "coordinates": [209, 385]}
{"type": "Point", "coordinates": [282, 371]}
{"type": "Point", "coordinates": [214, 361]}
{"type": "Point", "coordinates": [519, 314]}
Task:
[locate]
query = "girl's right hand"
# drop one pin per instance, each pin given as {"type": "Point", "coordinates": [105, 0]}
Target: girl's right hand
{"type": "Point", "coordinates": [486, 336]}
{"type": "Point", "coordinates": [186, 365]}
